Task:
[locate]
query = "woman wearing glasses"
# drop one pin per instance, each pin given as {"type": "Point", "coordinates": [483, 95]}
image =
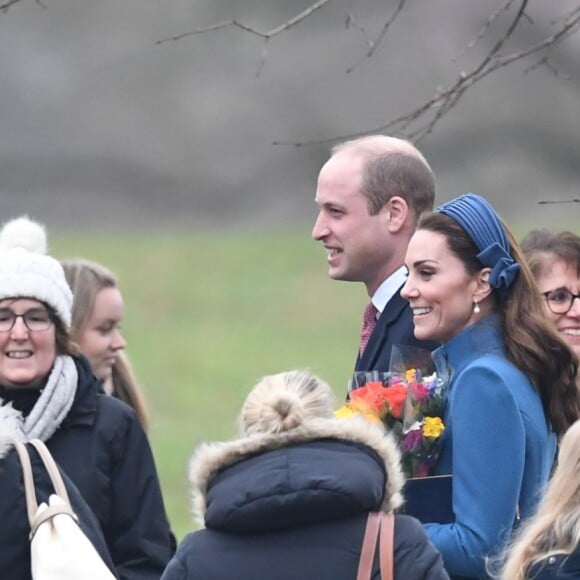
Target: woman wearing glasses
{"type": "Point", "coordinates": [97, 440]}
{"type": "Point", "coordinates": [554, 258]}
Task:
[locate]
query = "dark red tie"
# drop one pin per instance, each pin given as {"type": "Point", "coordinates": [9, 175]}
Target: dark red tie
{"type": "Point", "coordinates": [368, 324]}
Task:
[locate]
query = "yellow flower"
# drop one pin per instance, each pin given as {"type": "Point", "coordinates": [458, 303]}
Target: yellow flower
{"type": "Point", "coordinates": [433, 427]}
{"type": "Point", "coordinates": [410, 375]}
{"type": "Point", "coordinates": [343, 412]}
{"type": "Point", "coordinates": [347, 411]}
{"type": "Point", "coordinates": [372, 418]}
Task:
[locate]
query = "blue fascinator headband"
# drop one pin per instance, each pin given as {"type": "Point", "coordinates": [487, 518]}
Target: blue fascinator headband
{"type": "Point", "coordinates": [474, 214]}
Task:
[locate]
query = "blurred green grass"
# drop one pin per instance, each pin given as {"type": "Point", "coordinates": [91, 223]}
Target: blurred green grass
{"type": "Point", "coordinates": [207, 315]}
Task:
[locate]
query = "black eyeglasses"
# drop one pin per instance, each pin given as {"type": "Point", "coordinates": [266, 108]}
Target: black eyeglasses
{"type": "Point", "coordinates": [560, 300]}
{"type": "Point", "coordinates": [35, 320]}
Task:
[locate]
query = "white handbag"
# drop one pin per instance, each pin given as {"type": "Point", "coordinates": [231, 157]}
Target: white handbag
{"type": "Point", "coordinates": [59, 549]}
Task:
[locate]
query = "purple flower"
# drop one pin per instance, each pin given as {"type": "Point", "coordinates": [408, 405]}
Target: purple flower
{"type": "Point", "coordinates": [412, 440]}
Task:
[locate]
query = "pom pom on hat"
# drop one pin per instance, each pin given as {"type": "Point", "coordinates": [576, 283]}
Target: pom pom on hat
{"type": "Point", "coordinates": [23, 233]}
{"type": "Point", "coordinates": [27, 272]}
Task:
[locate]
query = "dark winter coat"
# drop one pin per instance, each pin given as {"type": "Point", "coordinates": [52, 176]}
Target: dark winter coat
{"type": "Point", "coordinates": [557, 567]}
{"type": "Point", "coordinates": [105, 452]}
{"type": "Point", "coordinates": [294, 505]}
{"type": "Point", "coordinates": [15, 530]}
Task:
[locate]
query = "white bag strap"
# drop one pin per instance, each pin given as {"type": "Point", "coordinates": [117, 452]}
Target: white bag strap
{"type": "Point", "coordinates": [35, 518]}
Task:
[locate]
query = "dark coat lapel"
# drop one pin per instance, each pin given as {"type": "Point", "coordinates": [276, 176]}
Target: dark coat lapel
{"type": "Point", "coordinates": [379, 340]}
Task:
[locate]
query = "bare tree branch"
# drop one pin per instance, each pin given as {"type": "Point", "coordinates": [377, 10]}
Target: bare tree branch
{"type": "Point", "coordinates": [374, 44]}
{"type": "Point", "coordinates": [573, 200]}
{"type": "Point", "coordinates": [544, 62]}
{"type": "Point", "coordinates": [4, 7]}
{"type": "Point", "coordinates": [444, 100]}
{"type": "Point", "coordinates": [266, 36]}
{"type": "Point", "coordinates": [235, 23]}
{"type": "Point", "coordinates": [489, 22]}
{"type": "Point", "coordinates": [420, 122]}
{"type": "Point", "coordinates": [490, 64]}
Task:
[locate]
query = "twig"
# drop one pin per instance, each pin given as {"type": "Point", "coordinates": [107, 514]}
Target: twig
{"type": "Point", "coordinates": [490, 20]}
{"type": "Point", "coordinates": [374, 44]}
{"type": "Point", "coordinates": [547, 201]}
{"type": "Point", "coordinates": [6, 5]}
{"type": "Point", "coordinates": [544, 62]}
{"type": "Point", "coordinates": [266, 36]}
{"type": "Point", "coordinates": [235, 23]}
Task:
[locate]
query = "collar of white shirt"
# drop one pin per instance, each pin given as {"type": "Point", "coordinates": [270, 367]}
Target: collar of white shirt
{"type": "Point", "coordinates": [389, 288]}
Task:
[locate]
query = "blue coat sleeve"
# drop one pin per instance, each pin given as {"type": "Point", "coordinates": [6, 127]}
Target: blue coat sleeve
{"type": "Point", "coordinates": [488, 454]}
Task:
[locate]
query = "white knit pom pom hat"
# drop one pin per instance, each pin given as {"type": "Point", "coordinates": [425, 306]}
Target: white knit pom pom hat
{"type": "Point", "coordinates": [27, 272]}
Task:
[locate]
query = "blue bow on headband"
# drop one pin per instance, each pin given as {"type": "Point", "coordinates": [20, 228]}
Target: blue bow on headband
{"type": "Point", "coordinates": [474, 214]}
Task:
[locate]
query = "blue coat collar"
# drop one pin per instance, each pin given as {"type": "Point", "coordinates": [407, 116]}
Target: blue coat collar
{"type": "Point", "coordinates": [484, 336]}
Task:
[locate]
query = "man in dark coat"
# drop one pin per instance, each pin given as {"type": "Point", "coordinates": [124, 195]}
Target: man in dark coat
{"type": "Point", "coordinates": [290, 499]}
{"type": "Point", "coordinates": [370, 193]}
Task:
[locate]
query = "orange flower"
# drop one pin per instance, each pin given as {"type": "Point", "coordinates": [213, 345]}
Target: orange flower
{"type": "Point", "coordinates": [396, 396]}
{"type": "Point", "coordinates": [372, 396]}
{"type": "Point", "coordinates": [380, 400]}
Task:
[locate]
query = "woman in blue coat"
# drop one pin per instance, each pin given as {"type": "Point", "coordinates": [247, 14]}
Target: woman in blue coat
{"type": "Point", "coordinates": [548, 544]}
{"type": "Point", "coordinates": [290, 498]}
{"type": "Point", "coordinates": [512, 387]}
{"type": "Point", "coordinates": [96, 439]}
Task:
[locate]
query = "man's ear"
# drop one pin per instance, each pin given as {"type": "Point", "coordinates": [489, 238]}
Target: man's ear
{"type": "Point", "coordinates": [483, 288]}
{"type": "Point", "coordinates": [395, 212]}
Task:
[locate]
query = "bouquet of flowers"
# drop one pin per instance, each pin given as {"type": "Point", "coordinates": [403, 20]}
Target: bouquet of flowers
{"type": "Point", "coordinates": [381, 401]}
{"type": "Point", "coordinates": [422, 423]}
{"type": "Point", "coordinates": [410, 404]}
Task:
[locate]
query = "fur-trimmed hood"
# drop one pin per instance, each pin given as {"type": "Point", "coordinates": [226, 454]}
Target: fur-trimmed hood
{"type": "Point", "coordinates": [211, 458]}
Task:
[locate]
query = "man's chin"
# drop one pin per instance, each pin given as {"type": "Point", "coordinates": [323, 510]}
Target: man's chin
{"type": "Point", "coordinates": [342, 276]}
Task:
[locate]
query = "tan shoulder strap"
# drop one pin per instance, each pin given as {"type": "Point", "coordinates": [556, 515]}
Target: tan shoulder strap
{"type": "Point", "coordinates": [367, 553]}
{"type": "Point", "coordinates": [35, 518]}
{"type": "Point", "coordinates": [31, 503]}
{"type": "Point", "coordinates": [52, 469]}
{"type": "Point", "coordinates": [386, 548]}
{"type": "Point", "coordinates": [380, 526]}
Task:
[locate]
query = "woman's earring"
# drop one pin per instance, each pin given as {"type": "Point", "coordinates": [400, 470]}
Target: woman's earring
{"type": "Point", "coordinates": [476, 308]}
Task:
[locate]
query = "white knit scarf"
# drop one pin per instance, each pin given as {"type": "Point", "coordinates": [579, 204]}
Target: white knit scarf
{"type": "Point", "coordinates": [10, 427]}
{"type": "Point", "coordinates": [54, 402]}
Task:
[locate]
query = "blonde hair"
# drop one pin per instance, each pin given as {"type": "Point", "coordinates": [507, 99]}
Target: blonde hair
{"type": "Point", "coordinates": [86, 280]}
{"type": "Point", "coordinates": [555, 528]}
{"type": "Point", "coordinates": [127, 389]}
{"type": "Point", "coordinates": [282, 402]}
